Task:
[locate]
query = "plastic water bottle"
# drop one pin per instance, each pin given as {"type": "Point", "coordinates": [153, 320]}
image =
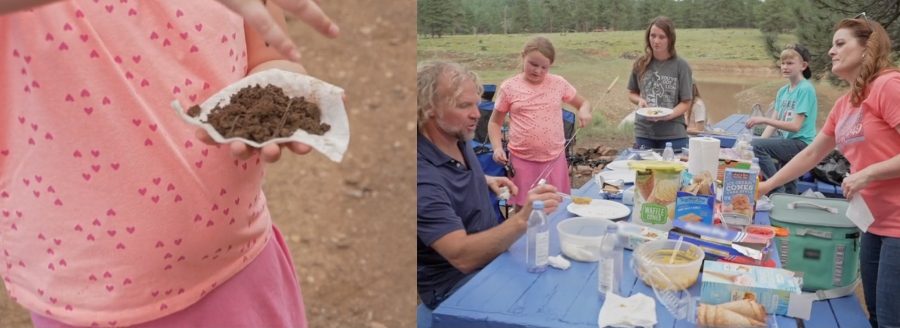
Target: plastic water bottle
{"type": "Point", "coordinates": [538, 239]}
{"type": "Point", "coordinates": [748, 153]}
{"type": "Point", "coordinates": [668, 153]}
{"type": "Point", "coordinates": [609, 266]}
{"type": "Point", "coordinates": [754, 167]}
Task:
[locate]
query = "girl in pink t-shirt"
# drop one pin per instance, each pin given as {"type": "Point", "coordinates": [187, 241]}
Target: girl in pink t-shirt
{"type": "Point", "coordinates": [112, 211]}
{"type": "Point", "coordinates": [865, 126]}
{"type": "Point", "coordinates": [533, 99]}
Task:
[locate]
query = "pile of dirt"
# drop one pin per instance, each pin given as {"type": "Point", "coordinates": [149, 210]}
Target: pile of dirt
{"type": "Point", "coordinates": [262, 113]}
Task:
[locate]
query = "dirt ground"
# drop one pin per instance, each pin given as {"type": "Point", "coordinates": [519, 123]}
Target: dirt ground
{"type": "Point", "coordinates": [349, 225]}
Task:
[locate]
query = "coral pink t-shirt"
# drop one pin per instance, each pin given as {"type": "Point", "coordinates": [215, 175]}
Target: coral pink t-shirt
{"type": "Point", "coordinates": [867, 135]}
{"type": "Point", "coordinates": [536, 127]}
{"type": "Point", "coordinates": [110, 208]}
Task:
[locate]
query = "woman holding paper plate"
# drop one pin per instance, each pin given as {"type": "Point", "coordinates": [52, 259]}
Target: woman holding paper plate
{"type": "Point", "coordinates": [864, 124]}
{"type": "Point", "coordinates": [660, 85]}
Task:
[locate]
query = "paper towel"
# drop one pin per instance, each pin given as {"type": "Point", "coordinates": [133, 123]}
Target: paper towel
{"type": "Point", "coordinates": [703, 155]}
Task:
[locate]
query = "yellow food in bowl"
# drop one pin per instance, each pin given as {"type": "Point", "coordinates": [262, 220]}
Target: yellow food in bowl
{"type": "Point", "coordinates": [655, 270]}
{"type": "Point", "coordinates": [581, 200]}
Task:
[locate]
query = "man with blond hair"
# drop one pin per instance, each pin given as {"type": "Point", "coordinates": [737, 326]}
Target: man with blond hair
{"type": "Point", "coordinates": [458, 233]}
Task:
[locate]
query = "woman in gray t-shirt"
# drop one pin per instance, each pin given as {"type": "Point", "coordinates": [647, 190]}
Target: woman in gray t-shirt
{"type": "Point", "coordinates": [661, 79]}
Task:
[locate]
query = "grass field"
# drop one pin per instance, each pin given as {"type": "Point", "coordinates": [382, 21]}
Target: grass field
{"type": "Point", "coordinates": [591, 61]}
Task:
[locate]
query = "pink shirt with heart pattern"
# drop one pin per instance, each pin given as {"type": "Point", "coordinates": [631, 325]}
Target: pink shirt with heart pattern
{"type": "Point", "coordinates": [109, 206]}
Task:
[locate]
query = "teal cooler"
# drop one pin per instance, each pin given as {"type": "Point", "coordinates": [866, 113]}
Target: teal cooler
{"type": "Point", "coordinates": [823, 243]}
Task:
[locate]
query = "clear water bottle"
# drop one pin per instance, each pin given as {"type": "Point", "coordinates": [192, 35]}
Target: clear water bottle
{"type": "Point", "coordinates": [747, 153]}
{"type": "Point", "coordinates": [754, 167]}
{"type": "Point", "coordinates": [610, 264]}
{"type": "Point", "coordinates": [538, 239]}
{"type": "Point", "coordinates": [668, 153]}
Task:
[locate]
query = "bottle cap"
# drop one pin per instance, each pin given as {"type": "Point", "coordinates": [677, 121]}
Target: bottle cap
{"type": "Point", "coordinates": [538, 205]}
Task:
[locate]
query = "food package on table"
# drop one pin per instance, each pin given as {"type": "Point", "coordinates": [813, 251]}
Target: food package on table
{"type": "Point", "coordinates": [738, 197]}
{"type": "Point", "coordinates": [735, 314]}
{"type": "Point", "coordinates": [771, 287]}
{"type": "Point", "coordinates": [721, 243]}
{"type": "Point", "coordinates": [657, 184]}
{"type": "Point", "coordinates": [635, 234]}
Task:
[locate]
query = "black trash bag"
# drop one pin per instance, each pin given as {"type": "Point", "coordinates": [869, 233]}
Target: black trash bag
{"type": "Point", "coordinates": [832, 168]}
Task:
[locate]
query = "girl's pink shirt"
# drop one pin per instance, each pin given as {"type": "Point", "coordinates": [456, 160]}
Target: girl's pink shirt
{"type": "Point", "coordinates": [867, 135]}
{"type": "Point", "coordinates": [536, 126]}
{"type": "Point", "coordinates": [111, 211]}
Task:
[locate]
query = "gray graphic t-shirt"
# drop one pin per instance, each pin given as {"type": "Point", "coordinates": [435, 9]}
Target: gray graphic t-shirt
{"type": "Point", "coordinates": [665, 84]}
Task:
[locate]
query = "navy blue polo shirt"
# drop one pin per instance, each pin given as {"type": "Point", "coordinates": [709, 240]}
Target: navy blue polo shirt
{"type": "Point", "coordinates": [450, 197]}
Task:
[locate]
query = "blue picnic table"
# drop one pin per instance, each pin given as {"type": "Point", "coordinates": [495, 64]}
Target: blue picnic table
{"type": "Point", "coordinates": [736, 124]}
{"type": "Point", "coordinates": [504, 294]}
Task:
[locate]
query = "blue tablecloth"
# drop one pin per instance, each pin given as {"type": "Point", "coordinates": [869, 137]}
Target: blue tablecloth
{"type": "Point", "coordinates": [504, 294]}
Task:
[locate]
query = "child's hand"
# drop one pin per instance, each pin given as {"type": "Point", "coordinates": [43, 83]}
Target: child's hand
{"type": "Point", "coordinates": [256, 14]}
{"type": "Point", "coordinates": [584, 118]}
{"type": "Point", "coordinates": [269, 153]}
{"type": "Point", "coordinates": [754, 121]}
{"type": "Point", "coordinates": [500, 156]}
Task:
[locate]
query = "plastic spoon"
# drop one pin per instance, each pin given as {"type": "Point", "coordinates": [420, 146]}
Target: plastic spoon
{"type": "Point", "coordinates": [677, 248]}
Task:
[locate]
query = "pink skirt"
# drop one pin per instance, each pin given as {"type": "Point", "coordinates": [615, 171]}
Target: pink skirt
{"type": "Point", "coordinates": [265, 294]}
{"type": "Point", "coordinates": [556, 172]}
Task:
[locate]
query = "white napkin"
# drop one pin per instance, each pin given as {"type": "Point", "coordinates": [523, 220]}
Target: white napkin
{"type": "Point", "coordinates": [813, 194]}
{"type": "Point", "coordinates": [559, 262]}
{"type": "Point", "coordinates": [859, 213]}
{"type": "Point", "coordinates": [639, 310]}
{"type": "Point", "coordinates": [764, 204]}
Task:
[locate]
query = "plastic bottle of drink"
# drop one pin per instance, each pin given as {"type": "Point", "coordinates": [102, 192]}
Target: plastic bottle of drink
{"type": "Point", "coordinates": [754, 167]}
{"type": "Point", "coordinates": [609, 266]}
{"type": "Point", "coordinates": [538, 239]}
{"type": "Point", "coordinates": [668, 154]}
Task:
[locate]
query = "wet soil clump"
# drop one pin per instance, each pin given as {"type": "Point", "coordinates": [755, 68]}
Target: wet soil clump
{"type": "Point", "coordinates": [262, 113]}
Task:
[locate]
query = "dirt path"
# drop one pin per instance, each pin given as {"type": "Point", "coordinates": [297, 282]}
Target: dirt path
{"type": "Point", "coordinates": [349, 225]}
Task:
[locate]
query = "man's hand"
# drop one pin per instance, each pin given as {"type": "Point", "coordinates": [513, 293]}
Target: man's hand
{"type": "Point", "coordinates": [546, 193]}
{"type": "Point", "coordinates": [269, 153]}
{"type": "Point", "coordinates": [495, 183]}
{"type": "Point", "coordinates": [257, 16]}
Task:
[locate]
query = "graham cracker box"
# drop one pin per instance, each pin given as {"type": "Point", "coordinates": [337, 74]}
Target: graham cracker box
{"type": "Point", "coordinates": [723, 282]}
{"type": "Point", "coordinates": [738, 197]}
{"type": "Point", "coordinates": [695, 208]}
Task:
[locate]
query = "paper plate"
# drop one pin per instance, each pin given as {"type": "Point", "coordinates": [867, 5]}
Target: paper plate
{"type": "Point", "coordinates": [626, 176]}
{"type": "Point", "coordinates": [620, 165]}
{"type": "Point", "coordinates": [332, 144]}
{"type": "Point", "coordinates": [654, 112]}
{"type": "Point", "coordinates": [599, 208]}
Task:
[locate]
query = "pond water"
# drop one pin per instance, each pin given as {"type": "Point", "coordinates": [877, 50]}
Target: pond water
{"type": "Point", "coordinates": [721, 99]}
